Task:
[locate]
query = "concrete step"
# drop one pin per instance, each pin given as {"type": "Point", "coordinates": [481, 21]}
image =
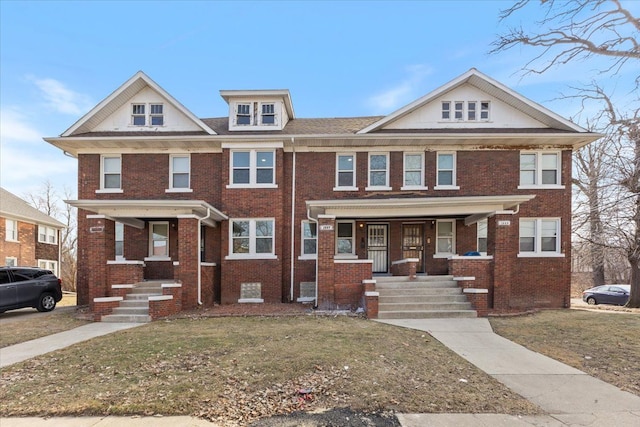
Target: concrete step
{"type": "Point", "coordinates": [420, 291]}
{"type": "Point", "coordinates": [134, 303]}
{"type": "Point", "coordinates": [421, 306]}
{"type": "Point", "coordinates": [419, 278]}
{"type": "Point", "coordinates": [131, 310]}
{"type": "Point", "coordinates": [143, 297]}
{"type": "Point", "coordinates": [431, 314]}
{"type": "Point", "coordinates": [417, 285]}
{"type": "Point", "coordinates": [125, 318]}
{"type": "Point", "coordinates": [413, 298]}
{"type": "Point", "coordinates": [146, 290]}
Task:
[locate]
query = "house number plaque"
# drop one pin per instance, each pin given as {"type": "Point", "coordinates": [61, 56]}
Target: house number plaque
{"type": "Point", "coordinates": [326, 228]}
{"type": "Point", "coordinates": [98, 229]}
{"type": "Point", "coordinates": [504, 223]}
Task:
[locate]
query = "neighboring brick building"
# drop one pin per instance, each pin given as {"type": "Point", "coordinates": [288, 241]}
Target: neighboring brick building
{"type": "Point", "coordinates": [28, 237]}
{"type": "Point", "coordinates": [261, 206]}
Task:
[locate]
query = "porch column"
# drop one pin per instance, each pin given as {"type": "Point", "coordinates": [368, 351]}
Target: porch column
{"type": "Point", "coordinates": [504, 228]}
{"type": "Point", "coordinates": [100, 247]}
{"type": "Point", "coordinates": [326, 253]}
{"type": "Point", "coordinates": [188, 254]}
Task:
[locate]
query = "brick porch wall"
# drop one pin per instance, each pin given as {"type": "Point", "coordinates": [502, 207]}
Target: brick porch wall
{"type": "Point", "coordinates": [349, 278]}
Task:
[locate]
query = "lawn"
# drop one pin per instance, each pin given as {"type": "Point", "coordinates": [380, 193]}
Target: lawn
{"type": "Point", "coordinates": [16, 330]}
{"type": "Point", "coordinates": [603, 344]}
{"type": "Point", "coordinates": [236, 370]}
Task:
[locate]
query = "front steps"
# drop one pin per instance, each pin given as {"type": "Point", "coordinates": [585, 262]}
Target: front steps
{"type": "Point", "coordinates": [135, 306]}
{"type": "Point", "coordinates": [423, 298]}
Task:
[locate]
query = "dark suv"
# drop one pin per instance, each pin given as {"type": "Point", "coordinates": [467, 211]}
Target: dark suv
{"type": "Point", "coordinates": [29, 287]}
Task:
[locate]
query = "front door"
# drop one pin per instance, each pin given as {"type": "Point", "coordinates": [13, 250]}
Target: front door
{"type": "Point", "coordinates": [377, 247]}
{"type": "Point", "coordinates": [413, 244]}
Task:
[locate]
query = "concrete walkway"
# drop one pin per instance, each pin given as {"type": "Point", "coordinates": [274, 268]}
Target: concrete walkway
{"type": "Point", "coordinates": [26, 350]}
{"type": "Point", "coordinates": [570, 396]}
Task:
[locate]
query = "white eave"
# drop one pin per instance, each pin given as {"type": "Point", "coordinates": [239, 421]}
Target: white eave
{"type": "Point", "coordinates": [284, 94]}
{"type": "Point", "coordinates": [473, 207]}
{"type": "Point", "coordinates": [491, 87]}
{"type": "Point", "coordinates": [119, 97]}
{"type": "Point", "coordinates": [130, 211]}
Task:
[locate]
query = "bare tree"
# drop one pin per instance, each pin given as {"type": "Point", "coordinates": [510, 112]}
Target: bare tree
{"type": "Point", "coordinates": [47, 200]}
{"type": "Point", "coordinates": [608, 171]}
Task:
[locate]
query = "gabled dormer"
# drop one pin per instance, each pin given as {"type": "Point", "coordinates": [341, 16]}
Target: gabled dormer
{"type": "Point", "coordinates": [258, 110]}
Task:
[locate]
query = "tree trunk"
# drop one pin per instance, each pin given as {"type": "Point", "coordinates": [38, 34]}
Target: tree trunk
{"type": "Point", "coordinates": [634, 250]}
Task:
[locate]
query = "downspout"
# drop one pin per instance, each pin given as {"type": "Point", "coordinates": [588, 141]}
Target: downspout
{"type": "Point", "coordinates": [60, 254]}
{"type": "Point", "coordinates": [293, 218]}
{"type": "Point", "coordinates": [317, 234]}
{"type": "Point", "coordinates": [199, 257]}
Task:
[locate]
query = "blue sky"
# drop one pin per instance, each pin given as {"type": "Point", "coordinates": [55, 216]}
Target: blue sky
{"type": "Point", "coordinates": [59, 59]}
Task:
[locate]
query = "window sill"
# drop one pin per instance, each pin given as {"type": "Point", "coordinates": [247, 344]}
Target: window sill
{"type": "Point", "coordinates": [251, 186]}
{"type": "Point", "coordinates": [178, 190]}
{"type": "Point", "coordinates": [235, 257]}
{"type": "Point", "coordinates": [378, 188]}
{"type": "Point", "coordinates": [345, 189]}
{"type": "Point", "coordinates": [307, 257]}
{"type": "Point", "coordinates": [444, 255]}
{"type": "Point", "coordinates": [540, 255]}
{"type": "Point", "coordinates": [48, 243]}
{"type": "Point", "coordinates": [13, 241]}
{"type": "Point", "coordinates": [345, 256]}
{"type": "Point", "coordinates": [414, 187]}
{"type": "Point", "coordinates": [541, 187]}
{"type": "Point", "coordinates": [250, 301]}
{"type": "Point", "coordinates": [446, 187]}
{"type": "Point", "coordinates": [109, 190]}
{"type": "Point", "coordinates": [157, 258]}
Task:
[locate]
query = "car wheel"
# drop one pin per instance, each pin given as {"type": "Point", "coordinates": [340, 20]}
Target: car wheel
{"type": "Point", "coordinates": [47, 302]}
{"type": "Point", "coordinates": [591, 301]}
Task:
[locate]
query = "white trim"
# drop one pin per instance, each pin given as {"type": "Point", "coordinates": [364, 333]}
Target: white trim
{"type": "Point", "coordinates": [475, 291]}
{"type": "Point", "coordinates": [208, 264]}
{"type": "Point", "coordinates": [305, 299]}
{"type": "Point", "coordinates": [124, 262]}
{"type": "Point", "coordinates": [464, 278]}
{"type": "Point", "coordinates": [345, 188]}
{"type": "Point", "coordinates": [160, 298]}
{"type": "Point", "coordinates": [157, 258]}
{"type": "Point", "coordinates": [170, 285]}
{"type": "Point", "coordinates": [250, 301]}
{"type": "Point", "coordinates": [414, 187]}
{"type": "Point", "coordinates": [102, 188]}
{"type": "Point", "coordinates": [47, 266]}
{"type": "Point", "coordinates": [541, 187]}
{"type": "Point", "coordinates": [178, 190]}
{"type": "Point", "coordinates": [307, 257]}
{"type": "Point", "coordinates": [232, 186]}
{"type": "Point", "coordinates": [107, 299]}
{"type": "Point", "coordinates": [94, 216]}
{"type": "Point", "coordinates": [47, 229]}
{"type": "Point", "coordinates": [471, 258]}
{"type": "Point", "coordinates": [251, 145]}
{"type": "Point", "coordinates": [253, 168]}
{"type": "Point", "coordinates": [326, 216]}
{"type": "Point", "coordinates": [537, 236]}
{"type": "Point", "coordinates": [446, 187]}
{"type": "Point", "coordinates": [176, 263]}
{"type": "Point", "coordinates": [372, 281]}
{"type": "Point", "coordinates": [352, 261]}
{"type": "Point", "coordinates": [345, 256]}
{"type": "Point", "coordinates": [384, 187]}
{"type": "Point", "coordinates": [110, 191]}
{"type": "Point", "coordinates": [541, 255]}
{"type": "Point", "coordinates": [337, 186]}
{"type": "Point", "coordinates": [538, 170]}
{"type": "Point", "coordinates": [122, 286]}
{"type": "Point", "coordinates": [453, 170]}
{"type": "Point", "coordinates": [236, 257]}
{"type": "Point", "coordinates": [252, 237]}
{"type": "Point", "coordinates": [371, 294]}
{"type": "Point", "coordinates": [378, 188]}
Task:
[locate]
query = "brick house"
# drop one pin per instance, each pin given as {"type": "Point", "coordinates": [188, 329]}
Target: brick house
{"type": "Point", "coordinates": [28, 237]}
{"type": "Point", "coordinates": [471, 183]}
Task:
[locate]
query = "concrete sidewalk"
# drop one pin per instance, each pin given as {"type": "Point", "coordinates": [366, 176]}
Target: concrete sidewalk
{"type": "Point", "coordinates": [570, 396]}
{"type": "Point", "coordinates": [26, 350]}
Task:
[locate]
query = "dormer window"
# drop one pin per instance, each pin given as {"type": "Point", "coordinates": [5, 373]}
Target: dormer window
{"type": "Point", "coordinates": [446, 110]}
{"type": "Point", "coordinates": [268, 114]}
{"type": "Point", "coordinates": [157, 115]}
{"type": "Point", "coordinates": [138, 117]}
{"type": "Point", "coordinates": [243, 115]}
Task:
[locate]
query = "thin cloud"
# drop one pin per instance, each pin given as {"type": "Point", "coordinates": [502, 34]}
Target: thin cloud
{"type": "Point", "coordinates": [15, 127]}
{"type": "Point", "coordinates": [402, 93]}
{"type": "Point", "coordinates": [62, 99]}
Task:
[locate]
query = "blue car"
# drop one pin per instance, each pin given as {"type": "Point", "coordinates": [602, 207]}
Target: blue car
{"type": "Point", "coordinates": [607, 294]}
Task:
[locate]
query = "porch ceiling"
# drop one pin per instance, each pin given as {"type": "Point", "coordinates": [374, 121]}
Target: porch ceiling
{"type": "Point", "coordinates": [130, 211]}
{"type": "Point", "coordinates": [474, 207]}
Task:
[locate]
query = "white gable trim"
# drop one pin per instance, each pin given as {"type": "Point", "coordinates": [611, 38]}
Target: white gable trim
{"type": "Point", "coordinates": [482, 82]}
{"type": "Point", "coordinates": [121, 96]}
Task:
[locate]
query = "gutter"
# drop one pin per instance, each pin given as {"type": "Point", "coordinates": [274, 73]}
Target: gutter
{"type": "Point", "coordinates": [293, 218]}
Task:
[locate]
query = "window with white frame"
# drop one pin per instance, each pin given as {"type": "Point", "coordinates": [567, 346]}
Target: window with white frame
{"type": "Point", "coordinates": [539, 236]}
{"type": "Point", "coordinates": [309, 238]}
{"type": "Point", "coordinates": [119, 240]}
{"type": "Point", "coordinates": [252, 237]}
{"type": "Point", "coordinates": [111, 173]}
{"type": "Point", "coordinates": [446, 170]}
{"type": "Point", "coordinates": [539, 169]}
{"type": "Point", "coordinates": [345, 241]}
{"type": "Point", "coordinates": [138, 115]}
{"type": "Point", "coordinates": [459, 110]}
{"type": "Point", "coordinates": [268, 114]}
{"type": "Point", "coordinates": [484, 110]}
{"type": "Point", "coordinates": [11, 226]}
{"type": "Point", "coordinates": [472, 111]}
{"type": "Point", "coordinates": [413, 171]}
{"type": "Point", "coordinates": [483, 225]}
{"type": "Point", "coordinates": [346, 171]}
{"type": "Point", "coordinates": [243, 114]}
{"type": "Point", "coordinates": [446, 110]}
{"type": "Point", "coordinates": [180, 170]}
{"type": "Point", "coordinates": [156, 117]}
{"type": "Point", "coordinates": [159, 240]}
{"type": "Point", "coordinates": [252, 167]}
{"type": "Point", "coordinates": [445, 236]}
{"type": "Point", "coordinates": [378, 171]}
{"type": "Point", "coordinates": [47, 234]}
{"type": "Point", "coordinates": [48, 265]}
{"type": "Point", "coordinates": [10, 261]}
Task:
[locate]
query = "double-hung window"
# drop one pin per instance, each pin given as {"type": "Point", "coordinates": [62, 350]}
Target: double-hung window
{"type": "Point", "coordinates": [309, 239]}
{"type": "Point", "coordinates": [243, 114]}
{"type": "Point", "coordinates": [413, 172]}
{"type": "Point", "coordinates": [539, 237]}
{"type": "Point", "coordinates": [345, 172]}
{"type": "Point", "coordinates": [138, 115]}
{"type": "Point", "coordinates": [482, 236]}
{"type": "Point", "coordinates": [445, 237]}
{"type": "Point", "coordinates": [446, 171]}
{"type": "Point", "coordinates": [179, 172]}
{"type": "Point", "coordinates": [471, 111]}
{"type": "Point", "coordinates": [111, 167]}
{"type": "Point", "coordinates": [252, 238]}
{"type": "Point", "coordinates": [252, 168]}
{"type": "Point", "coordinates": [268, 114]}
{"type": "Point", "coordinates": [345, 241]}
{"type": "Point", "coordinates": [459, 110]}
{"type": "Point", "coordinates": [156, 118]}
{"type": "Point", "coordinates": [119, 240]}
{"type": "Point", "coordinates": [378, 171]}
{"type": "Point", "coordinates": [48, 265]}
{"type": "Point", "coordinates": [47, 234]}
{"type": "Point", "coordinates": [11, 230]}
{"type": "Point", "coordinates": [446, 110]}
{"type": "Point", "coordinates": [159, 240]}
{"type": "Point", "coordinates": [539, 169]}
